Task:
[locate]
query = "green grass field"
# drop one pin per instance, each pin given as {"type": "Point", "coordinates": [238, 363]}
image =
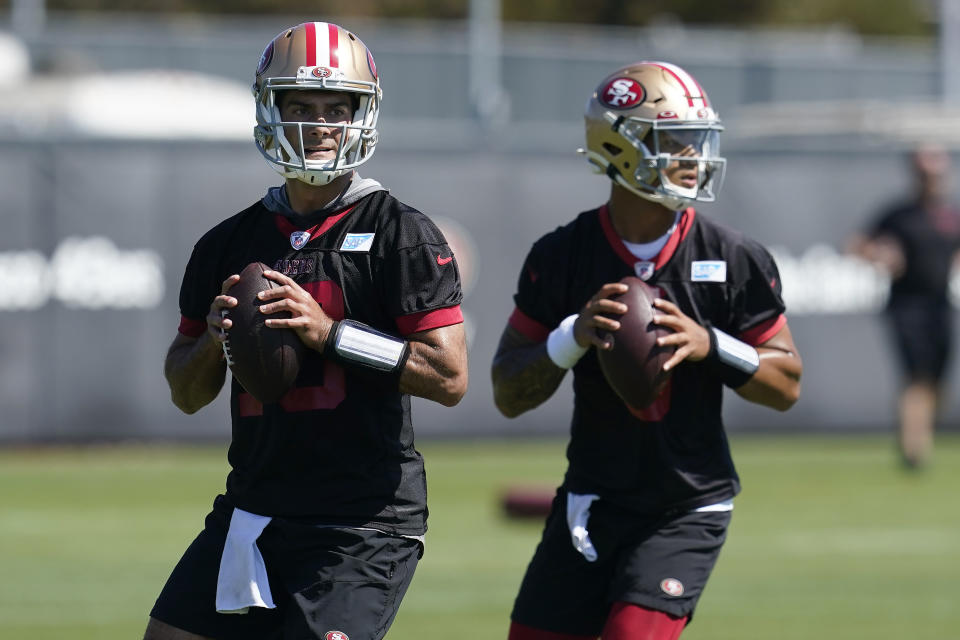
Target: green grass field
{"type": "Point", "coordinates": [830, 539]}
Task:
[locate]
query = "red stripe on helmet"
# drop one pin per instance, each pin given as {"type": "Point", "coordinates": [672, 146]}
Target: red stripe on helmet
{"type": "Point", "coordinates": [334, 41]}
{"type": "Point", "coordinates": [311, 44]}
{"type": "Point", "coordinates": [682, 83]}
{"type": "Point", "coordinates": [703, 94]}
{"type": "Point", "coordinates": [686, 89]}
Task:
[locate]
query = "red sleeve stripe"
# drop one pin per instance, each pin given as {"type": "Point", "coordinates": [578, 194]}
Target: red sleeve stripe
{"type": "Point", "coordinates": [528, 326]}
{"type": "Point", "coordinates": [191, 327]}
{"type": "Point", "coordinates": [764, 331]}
{"type": "Point", "coordinates": [248, 406]}
{"type": "Point", "coordinates": [426, 320]}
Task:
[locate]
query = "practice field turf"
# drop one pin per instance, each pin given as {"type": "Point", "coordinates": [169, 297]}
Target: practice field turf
{"type": "Point", "coordinates": [830, 539]}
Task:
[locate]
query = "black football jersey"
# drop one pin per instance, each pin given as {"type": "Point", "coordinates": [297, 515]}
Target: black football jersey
{"type": "Point", "coordinates": [929, 238]}
{"type": "Point", "coordinates": [337, 448]}
{"type": "Point", "coordinates": [673, 454]}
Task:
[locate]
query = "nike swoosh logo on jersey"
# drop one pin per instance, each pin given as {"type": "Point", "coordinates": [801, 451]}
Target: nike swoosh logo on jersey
{"type": "Point", "coordinates": [443, 261]}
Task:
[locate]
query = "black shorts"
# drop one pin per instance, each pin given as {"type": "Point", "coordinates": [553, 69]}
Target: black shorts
{"type": "Point", "coordinates": [923, 334]}
{"type": "Point", "coordinates": [322, 579]}
{"type": "Point", "coordinates": [659, 563]}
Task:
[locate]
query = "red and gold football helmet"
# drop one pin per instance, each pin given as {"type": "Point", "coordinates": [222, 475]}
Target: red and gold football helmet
{"type": "Point", "coordinates": [646, 119]}
{"type": "Point", "coordinates": [316, 56]}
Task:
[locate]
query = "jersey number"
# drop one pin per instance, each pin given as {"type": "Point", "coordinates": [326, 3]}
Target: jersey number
{"type": "Point", "coordinates": [334, 388]}
{"type": "Point", "coordinates": [658, 409]}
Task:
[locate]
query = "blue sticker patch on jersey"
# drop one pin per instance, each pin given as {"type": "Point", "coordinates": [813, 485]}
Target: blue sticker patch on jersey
{"type": "Point", "coordinates": [708, 271]}
{"type": "Point", "coordinates": [357, 242]}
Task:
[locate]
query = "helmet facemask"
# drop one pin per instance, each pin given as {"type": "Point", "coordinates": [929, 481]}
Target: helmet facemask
{"type": "Point", "coordinates": [316, 57]}
{"type": "Point", "coordinates": [357, 139]}
{"type": "Point", "coordinates": [669, 153]}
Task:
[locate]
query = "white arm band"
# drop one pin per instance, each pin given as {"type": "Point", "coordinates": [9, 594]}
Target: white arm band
{"type": "Point", "coordinates": [734, 361]}
{"type": "Point", "coordinates": [352, 342]}
{"type": "Point", "coordinates": [562, 346]}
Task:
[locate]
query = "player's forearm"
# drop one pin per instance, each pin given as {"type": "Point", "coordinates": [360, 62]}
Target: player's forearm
{"type": "Point", "coordinates": [437, 366]}
{"type": "Point", "coordinates": [776, 384]}
{"type": "Point", "coordinates": [524, 377]}
{"type": "Point", "coordinates": [195, 373]}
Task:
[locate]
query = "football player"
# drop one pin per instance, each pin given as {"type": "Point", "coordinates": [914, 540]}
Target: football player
{"type": "Point", "coordinates": [637, 525]}
{"type": "Point", "coordinates": [321, 525]}
{"type": "Point", "coordinates": [917, 242]}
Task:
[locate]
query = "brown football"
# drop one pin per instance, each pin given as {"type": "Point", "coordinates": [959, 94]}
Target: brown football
{"type": "Point", "coordinates": [527, 502]}
{"type": "Point", "coordinates": [634, 366]}
{"type": "Point", "coordinates": [264, 361]}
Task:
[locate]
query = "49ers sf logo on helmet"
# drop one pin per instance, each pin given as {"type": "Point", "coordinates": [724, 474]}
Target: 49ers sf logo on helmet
{"type": "Point", "coordinates": [265, 58]}
{"type": "Point", "coordinates": [622, 93]}
{"type": "Point", "coordinates": [335, 635]}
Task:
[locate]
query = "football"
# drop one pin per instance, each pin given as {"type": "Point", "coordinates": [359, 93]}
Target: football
{"type": "Point", "coordinates": [527, 502]}
{"type": "Point", "coordinates": [634, 366]}
{"type": "Point", "coordinates": [264, 361]}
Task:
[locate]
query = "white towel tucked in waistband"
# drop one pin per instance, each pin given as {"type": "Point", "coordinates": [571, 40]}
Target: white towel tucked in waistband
{"type": "Point", "coordinates": [578, 512]}
{"type": "Point", "coordinates": [726, 505]}
{"type": "Point", "coordinates": [242, 582]}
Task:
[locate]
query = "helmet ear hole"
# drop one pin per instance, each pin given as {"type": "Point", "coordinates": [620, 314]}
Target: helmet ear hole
{"type": "Point", "coordinates": [612, 149]}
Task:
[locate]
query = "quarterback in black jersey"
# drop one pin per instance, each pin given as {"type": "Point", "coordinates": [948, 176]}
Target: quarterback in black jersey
{"type": "Point", "coordinates": [638, 523]}
{"type": "Point", "coordinates": [322, 522]}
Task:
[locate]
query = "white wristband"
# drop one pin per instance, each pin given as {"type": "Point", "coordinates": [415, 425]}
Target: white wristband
{"type": "Point", "coordinates": [562, 346]}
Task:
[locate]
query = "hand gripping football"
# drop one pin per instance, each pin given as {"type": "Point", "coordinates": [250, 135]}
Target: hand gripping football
{"type": "Point", "coordinates": [264, 361]}
{"type": "Point", "coordinates": [634, 366]}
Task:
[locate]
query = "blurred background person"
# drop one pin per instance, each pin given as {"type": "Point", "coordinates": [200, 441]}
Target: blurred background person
{"type": "Point", "coordinates": [916, 241]}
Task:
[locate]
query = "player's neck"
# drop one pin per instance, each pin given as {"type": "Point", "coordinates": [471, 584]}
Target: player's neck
{"type": "Point", "coordinates": [932, 197]}
{"type": "Point", "coordinates": [638, 220]}
{"type": "Point", "coordinates": [307, 198]}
